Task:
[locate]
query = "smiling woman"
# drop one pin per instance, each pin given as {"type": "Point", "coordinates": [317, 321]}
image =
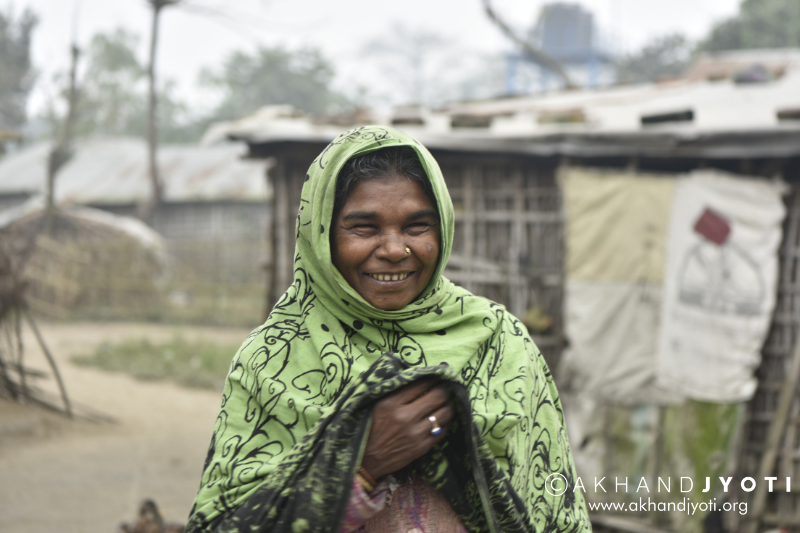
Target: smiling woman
{"type": "Point", "coordinates": [378, 396]}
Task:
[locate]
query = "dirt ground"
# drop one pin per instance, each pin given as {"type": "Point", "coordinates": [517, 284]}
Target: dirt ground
{"type": "Point", "coordinates": [60, 475]}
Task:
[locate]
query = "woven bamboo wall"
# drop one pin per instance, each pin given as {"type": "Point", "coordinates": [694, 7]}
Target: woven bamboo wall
{"type": "Point", "coordinates": [782, 508]}
{"type": "Point", "coordinates": [509, 237]}
{"type": "Point", "coordinates": [216, 264]}
{"type": "Point", "coordinates": [104, 275]}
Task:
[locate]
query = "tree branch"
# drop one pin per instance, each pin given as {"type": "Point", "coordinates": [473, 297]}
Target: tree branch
{"type": "Point", "coordinates": [533, 53]}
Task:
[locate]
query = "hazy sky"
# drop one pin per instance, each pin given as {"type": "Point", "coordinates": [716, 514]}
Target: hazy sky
{"type": "Point", "coordinates": [203, 32]}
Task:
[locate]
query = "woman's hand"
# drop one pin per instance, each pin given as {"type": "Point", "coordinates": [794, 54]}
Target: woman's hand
{"type": "Point", "coordinates": [401, 430]}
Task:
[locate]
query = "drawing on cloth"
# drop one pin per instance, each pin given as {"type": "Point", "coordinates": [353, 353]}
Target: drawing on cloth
{"type": "Point", "coordinates": [718, 276]}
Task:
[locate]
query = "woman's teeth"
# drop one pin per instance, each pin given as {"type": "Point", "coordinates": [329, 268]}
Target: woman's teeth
{"type": "Point", "coordinates": [390, 277]}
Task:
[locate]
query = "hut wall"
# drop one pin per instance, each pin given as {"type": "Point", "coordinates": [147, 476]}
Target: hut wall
{"type": "Point", "coordinates": [782, 507]}
{"type": "Point", "coordinates": [217, 253]}
{"type": "Point", "coordinates": [509, 236]}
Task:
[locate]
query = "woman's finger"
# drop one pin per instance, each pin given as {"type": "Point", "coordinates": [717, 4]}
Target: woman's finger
{"type": "Point", "coordinates": [412, 391]}
{"type": "Point", "coordinates": [441, 417]}
{"type": "Point", "coordinates": [435, 398]}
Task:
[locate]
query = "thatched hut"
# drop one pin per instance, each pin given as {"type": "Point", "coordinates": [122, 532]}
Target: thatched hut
{"type": "Point", "coordinates": [213, 217]}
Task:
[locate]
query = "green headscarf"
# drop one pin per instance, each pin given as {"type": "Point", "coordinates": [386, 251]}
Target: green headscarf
{"type": "Point", "coordinates": [297, 401]}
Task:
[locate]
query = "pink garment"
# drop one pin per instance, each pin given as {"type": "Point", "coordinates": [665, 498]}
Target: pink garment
{"type": "Point", "coordinates": [413, 507]}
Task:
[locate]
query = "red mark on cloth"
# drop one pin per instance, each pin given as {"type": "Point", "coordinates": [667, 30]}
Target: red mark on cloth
{"type": "Point", "coordinates": [713, 226]}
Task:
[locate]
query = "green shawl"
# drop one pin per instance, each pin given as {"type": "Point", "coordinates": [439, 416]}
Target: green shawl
{"type": "Point", "coordinates": [297, 402]}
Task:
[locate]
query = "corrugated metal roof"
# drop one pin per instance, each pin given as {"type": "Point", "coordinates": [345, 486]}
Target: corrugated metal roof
{"type": "Point", "coordinates": [114, 171]}
{"type": "Point", "coordinates": [717, 106]}
{"type": "Point", "coordinates": [727, 120]}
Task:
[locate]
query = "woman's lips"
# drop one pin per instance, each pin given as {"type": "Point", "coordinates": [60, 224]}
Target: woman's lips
{"type": "Point", "coordinates": [388, 277]}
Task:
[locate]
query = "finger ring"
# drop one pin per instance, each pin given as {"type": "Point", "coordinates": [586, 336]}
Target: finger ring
{"type": "Point", "coordinates": [435, 430]}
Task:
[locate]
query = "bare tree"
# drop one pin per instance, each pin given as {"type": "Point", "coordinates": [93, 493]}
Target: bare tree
{"type": "Point", "coordinates": [534, 54]}
{"type": "Point", "coordinates": [156, 187]}
{"type": "Point", "coordinates": [60, 153]}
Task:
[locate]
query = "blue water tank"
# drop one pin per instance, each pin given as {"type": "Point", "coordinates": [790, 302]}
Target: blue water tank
{"type": "Point", "coordinates": [567, 32]}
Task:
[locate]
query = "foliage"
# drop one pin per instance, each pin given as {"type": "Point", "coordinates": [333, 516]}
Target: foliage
{"type": "Point", "coordinates": [111, 99]}
{"type": "Point", "coordinates": [663, 57]}
{"type": "Point", "coordinates": [759, 24]}
{"type": "Point", "coordinates": [191, 363]}
{"type": "Point", "coordinates": [17, 74]}
{"type": "Point", "coordinates": [246, 82]}
{"type": "Point", "coordinates": [113, 94]}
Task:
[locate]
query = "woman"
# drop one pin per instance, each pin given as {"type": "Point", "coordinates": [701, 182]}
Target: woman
{"type": "Point", "coordinates": [378, 395]}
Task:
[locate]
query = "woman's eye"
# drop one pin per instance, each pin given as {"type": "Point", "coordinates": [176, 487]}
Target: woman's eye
{"type": "Point", "coordinates": [361, 228]}
{"type": "Point", "coordinates": [419, 226]}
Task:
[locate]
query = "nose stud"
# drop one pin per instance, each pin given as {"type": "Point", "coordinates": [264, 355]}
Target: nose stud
{"type": "Point", "coordinates": [408, 250]}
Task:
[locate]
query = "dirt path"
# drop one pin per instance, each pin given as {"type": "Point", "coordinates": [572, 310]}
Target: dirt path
{"type": "Point", "coordinates": [64, 476]}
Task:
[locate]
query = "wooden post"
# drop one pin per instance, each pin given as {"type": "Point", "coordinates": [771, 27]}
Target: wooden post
{"type": "Point", "coordinates": [5, 379]}
{"type": "Point", "coordinates": [269, 264]}
{"type": "Point", "coordinates": [658, 454]}
{"type": "Point", "coordinates": [517, 288]}
{"type": "Point", "coordinates": [469, 224]}
{"type": "Point", "coordinates": [283, 231]}
{"type": "Point", "coordinates": [149, 206]}
{"type": "Point", "coordinates": [67, 405]}
{"type": "Point", "coordinates": [776, 430]}
{"type": "Point", "coordinates": [786, 466]}
{"type": "Point", "coordinates": [20, 352]}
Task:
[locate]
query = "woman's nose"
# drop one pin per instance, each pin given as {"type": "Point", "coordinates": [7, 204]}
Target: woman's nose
{"type": "Point", "coordinates": [392, 249]}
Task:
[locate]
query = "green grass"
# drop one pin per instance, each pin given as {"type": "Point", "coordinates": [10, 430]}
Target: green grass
{"type": "Point", "coordinates": [198, 364]}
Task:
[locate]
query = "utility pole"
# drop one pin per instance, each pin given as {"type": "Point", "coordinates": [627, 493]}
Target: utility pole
{"type": "Point", "coordinates": [147, 208]}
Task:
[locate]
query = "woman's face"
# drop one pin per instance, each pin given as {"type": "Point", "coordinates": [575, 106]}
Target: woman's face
{"type": "Point", "coordinates": [379, 220]}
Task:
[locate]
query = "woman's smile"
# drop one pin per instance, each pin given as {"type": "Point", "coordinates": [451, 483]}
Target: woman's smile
{"type": "Point", "coordinates": [386, 241]}
{"type": "Point", "coordinates": [388, 277]}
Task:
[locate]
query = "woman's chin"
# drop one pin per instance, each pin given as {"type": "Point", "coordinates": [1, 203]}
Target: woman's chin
{"type": "Point", "coordinates": [392, 303]}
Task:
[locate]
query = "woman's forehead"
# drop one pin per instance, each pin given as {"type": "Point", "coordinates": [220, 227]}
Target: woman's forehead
{"type": "Point", "coordinates": [384, 193]}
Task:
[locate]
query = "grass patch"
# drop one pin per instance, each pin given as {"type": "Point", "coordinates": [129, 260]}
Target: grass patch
{"type": "Point", "coordinates": [198, 364]}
